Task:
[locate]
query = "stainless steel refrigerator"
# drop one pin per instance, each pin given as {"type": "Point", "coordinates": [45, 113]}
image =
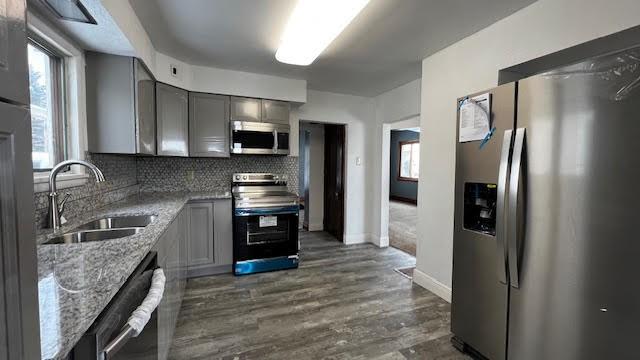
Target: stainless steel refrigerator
{"type": "Point", "coordinates": [546, 246]}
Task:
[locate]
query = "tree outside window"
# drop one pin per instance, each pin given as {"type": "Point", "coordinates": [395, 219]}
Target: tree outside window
{"type": "Point", "coordinates": [47, 139]}
{"type": "Point", "coordinates": [409, 164]}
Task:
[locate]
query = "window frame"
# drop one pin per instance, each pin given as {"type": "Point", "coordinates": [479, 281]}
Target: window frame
{"type": "Point", "coordinates": [400, 145]}
{"type": "Point", "coordinates": [75, 105]}
{"type": "Point", "coordinates": [59, 94]}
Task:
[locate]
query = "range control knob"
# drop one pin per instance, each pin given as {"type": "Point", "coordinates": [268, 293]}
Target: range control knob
{"type": "Point", "coordinates": [237, 177]}
{"type": "Point", "coordinates": [244, 177]}
{"type": "Point", "coordinates": [275, 177]}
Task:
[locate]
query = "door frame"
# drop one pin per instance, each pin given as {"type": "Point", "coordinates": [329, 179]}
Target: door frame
{"type": "Point", "coordinates": [345, 174]}
{"type": "Point", "coordinates": [385, 174]}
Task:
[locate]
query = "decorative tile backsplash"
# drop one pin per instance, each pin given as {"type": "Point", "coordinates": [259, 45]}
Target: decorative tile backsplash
{"type": "Point", "coordinates": [127, 175]}
{"type": "Point", "coordinates": [209, 174]}
{"type": "Point", "coordinates": [120, 175]}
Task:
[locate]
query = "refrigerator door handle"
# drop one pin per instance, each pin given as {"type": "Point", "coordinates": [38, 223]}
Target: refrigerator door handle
{"type": "Point", "coordinates": [501, 231]}
{"type": "Point", "coordinates": [516, 195]}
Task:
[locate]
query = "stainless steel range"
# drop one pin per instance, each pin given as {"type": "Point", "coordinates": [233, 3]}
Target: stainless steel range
{"type": "Point", "coordinates": [265, 223]}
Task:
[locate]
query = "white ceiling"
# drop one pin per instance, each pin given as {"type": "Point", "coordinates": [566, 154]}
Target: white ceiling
{"type": "Point", "coordinates": [380, 50]}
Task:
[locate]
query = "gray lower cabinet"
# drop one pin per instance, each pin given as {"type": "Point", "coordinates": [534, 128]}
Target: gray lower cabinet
{"type": "Point", "coordinates": [210, 249]}
{"type": "Point", "coordinates": [121, 109]}
{"type": "Point", "coordinates": [200, 248]}
{"type": "Point", "coordinates": [171, 248]}
{"type": "Point", "coordinates": [198, 242]}
{"type": "Point", "coordinates": [172, 120]}
{"type": "Point", "coordinates": [275, 111]}
{"type": "Point", "coordinates": [208, 125]}
{"type": "Point", "coordinates": [223, 233]}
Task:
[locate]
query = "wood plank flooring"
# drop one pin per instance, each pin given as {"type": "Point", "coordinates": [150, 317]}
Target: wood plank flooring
{"type": "Point", "coordinates": [403, 222]}
{"type": "Point", "coordinates": [344, 302]}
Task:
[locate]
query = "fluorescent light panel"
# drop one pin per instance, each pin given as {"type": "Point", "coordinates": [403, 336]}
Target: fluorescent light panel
{"type": "Point", "coordinates": [313, 25]}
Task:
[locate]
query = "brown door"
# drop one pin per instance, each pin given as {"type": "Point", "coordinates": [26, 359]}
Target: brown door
{"type": "Point", "coordinates": [334, 180]}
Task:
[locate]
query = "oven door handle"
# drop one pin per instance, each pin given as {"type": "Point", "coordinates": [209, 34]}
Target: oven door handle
{"type": "Point", "coordinates": [266, 211]}
{"type": "Point", "coordinates": [140, 316]}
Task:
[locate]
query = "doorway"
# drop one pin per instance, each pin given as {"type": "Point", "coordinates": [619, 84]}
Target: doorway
{"type": "Point", "coordinates": [334, 142]}
{"type": "Point", "coordinates": [322, 177]}
{"type": "Point", "coordinates": [404, 172]}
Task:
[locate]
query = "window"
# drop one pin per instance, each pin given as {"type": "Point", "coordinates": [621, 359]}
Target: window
{"type": "Point", "coordinates": [409, 164]}
{"type": "Point", "coordinates": [47, 107]}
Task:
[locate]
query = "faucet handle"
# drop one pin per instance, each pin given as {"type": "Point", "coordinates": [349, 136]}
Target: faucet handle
{"type": "Point", "coordinates": [63, 202]}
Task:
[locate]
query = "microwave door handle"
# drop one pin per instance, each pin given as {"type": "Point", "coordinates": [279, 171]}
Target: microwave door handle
{"type": "Point", "coordinates": [501, 233]}
{"type": "Point", "coordinates": [517, 197]}
{"type": "Point", "coordinates": [275, 141]}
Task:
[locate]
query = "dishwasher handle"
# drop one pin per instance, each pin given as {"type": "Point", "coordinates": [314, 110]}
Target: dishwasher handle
{"type": "Point", "coordinates": [140, 317]}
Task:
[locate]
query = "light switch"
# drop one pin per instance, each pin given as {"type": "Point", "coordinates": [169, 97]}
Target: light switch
{"type": "Point", "coordinates": [358, 161]}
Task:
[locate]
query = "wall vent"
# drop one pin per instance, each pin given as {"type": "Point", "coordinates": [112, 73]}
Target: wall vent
{"type": "Point", "coordinates": [71, 10]}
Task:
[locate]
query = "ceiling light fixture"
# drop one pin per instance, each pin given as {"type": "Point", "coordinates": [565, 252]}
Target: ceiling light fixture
{"type": "Point", "coordinates": [312, 26]}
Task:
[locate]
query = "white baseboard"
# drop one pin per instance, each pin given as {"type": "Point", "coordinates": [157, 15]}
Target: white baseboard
{"type": "Point", "coordinates": [432, 285]}
{"type": "Point", "coordinates": [315, 226]}
{"type": "Point", "coordinates": [355, 239]}
{"type": "Point", "coordinates": [380, 241]}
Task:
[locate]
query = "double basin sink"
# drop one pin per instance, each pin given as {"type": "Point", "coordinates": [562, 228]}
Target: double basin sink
{"type": "Point", "coordinates": [107, 228]}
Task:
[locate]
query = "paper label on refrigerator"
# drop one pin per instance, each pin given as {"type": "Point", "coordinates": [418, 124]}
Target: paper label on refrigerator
{"type": "Point", "coordinates": [267, 221]}
{"type": "Point", "coordinates": [475, 118]}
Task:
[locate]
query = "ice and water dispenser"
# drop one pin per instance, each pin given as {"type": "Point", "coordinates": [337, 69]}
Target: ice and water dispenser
{"type": "Point", "coordinates": [480, 207]}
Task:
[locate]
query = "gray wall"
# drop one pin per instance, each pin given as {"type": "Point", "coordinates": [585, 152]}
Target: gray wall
{"type": "Point", "coordinates": [404, 189]}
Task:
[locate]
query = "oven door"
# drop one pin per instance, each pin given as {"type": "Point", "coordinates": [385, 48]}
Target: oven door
{"type": "Point", "coordinates": [262, 233]}
{"type": "Point", "coordinates": [259, 138]}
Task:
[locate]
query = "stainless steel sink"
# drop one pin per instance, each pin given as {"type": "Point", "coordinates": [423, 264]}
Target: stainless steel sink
{"type": "Point", "coordinates": [93, 235]}
{"type": "Point", "coordinates": [118, 222]}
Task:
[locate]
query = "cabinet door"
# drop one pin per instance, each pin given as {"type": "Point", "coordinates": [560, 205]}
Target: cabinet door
{"type": "Point", "coordinates": [208, 125]}
{"type": "Point", "coordinates": [145, 107]}
{"type": "Point", "coordinates": [19, 326]}
{"type": "Point", "coordinates": [223, 232]}
{"type": "Point", "coordinates": [172, 109]}
{"type": "Point", "coordinates": [275, 111]}
{"type": "Point", "coordinates": [14, 75]}
{"type": "Point", "coordinates": [170, 304]}
{"type": "Point", "coordinates": [245, 109]}
{"type": "Point", "coordinates": [183, 238]}
{"type": "Point", "coordinates": [200, 249]}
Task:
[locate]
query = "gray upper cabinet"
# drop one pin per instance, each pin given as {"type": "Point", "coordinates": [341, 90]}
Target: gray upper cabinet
{"type": "Point", "coordinates": [14, 74]}
{"type": "Point", "coordinates": [245, 109]}
{"type": "Point", "coordinates": [172, 120]}
{"type": "Point", "coordinates": [208, 125]}
{"type": "Point", "coordinates": [275, 111]}
{"type": "Point", "coordinates": [145, 103]}
{"type": "Point", "coordinates": [120, 105]}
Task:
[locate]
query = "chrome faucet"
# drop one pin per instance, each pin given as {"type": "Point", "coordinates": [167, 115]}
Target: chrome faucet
{"type": "Point", "coordinates": [55, 209]}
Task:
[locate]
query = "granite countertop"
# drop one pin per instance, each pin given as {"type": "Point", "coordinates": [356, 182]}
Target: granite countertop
{"type": "Point", "coordinates": [77, 281]}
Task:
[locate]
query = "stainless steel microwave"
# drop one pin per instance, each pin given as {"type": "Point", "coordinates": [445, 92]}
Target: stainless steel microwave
{"type": "Point", "coordinates": [250, 137]}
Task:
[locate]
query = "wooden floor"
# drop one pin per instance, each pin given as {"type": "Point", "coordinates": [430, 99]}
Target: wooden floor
{"type": "Point", "coordinates": [403, 221]}
{"type": "Point", "coordinates": [344, 302]}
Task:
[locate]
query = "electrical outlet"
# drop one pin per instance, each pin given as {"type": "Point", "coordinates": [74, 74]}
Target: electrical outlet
{"type": "Point", "coordinates": [174, 70]}
{"type": "Point", "coordinates": [191, 175]}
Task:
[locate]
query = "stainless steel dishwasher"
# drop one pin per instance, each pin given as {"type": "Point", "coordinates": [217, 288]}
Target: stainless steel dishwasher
{"type": "Point", "coordinates": [109, 337]}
